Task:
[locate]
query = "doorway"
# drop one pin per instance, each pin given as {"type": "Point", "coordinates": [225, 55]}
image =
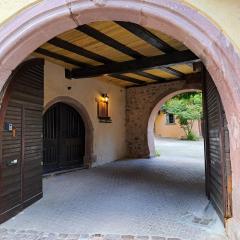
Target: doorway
{"type": "Point", "coordinates": [63, 138]}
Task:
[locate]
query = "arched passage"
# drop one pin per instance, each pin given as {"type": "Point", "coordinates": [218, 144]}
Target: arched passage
{"type": "Point", "coordinates": [87, 124]}
{"type": "Point", "coordinates": [21, 36]}
{"type": "Point", "coordinates": [153, 115]}
{"type": "Point", "coordinates": [63, 138]}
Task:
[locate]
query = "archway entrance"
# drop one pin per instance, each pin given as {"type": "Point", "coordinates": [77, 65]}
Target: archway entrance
{"type": "Point", "coordinates": [63, 138]}
{"type": "Point", "coordinates": [224, 81]}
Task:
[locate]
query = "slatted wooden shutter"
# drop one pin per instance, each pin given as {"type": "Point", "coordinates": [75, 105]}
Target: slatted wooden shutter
{"type": "Point", "coordinates": [218, 167]}
{"type": "Point", "coordinates": [21, 149]}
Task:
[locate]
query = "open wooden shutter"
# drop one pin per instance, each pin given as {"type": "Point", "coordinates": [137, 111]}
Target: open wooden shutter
{"type": "Point", "coordinates": [21, 139]}
{"type": "Point", "coordinates": [217, 151]}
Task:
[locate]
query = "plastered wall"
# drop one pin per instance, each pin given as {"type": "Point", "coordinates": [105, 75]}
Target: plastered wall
{"type": "Point", "coordinates": [162, 129]}
{"type": "Point", "coordinates": [108, 138]}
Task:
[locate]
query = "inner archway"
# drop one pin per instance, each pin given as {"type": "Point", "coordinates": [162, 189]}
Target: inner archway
{"type": "Point", "coordinates": [154, 113]}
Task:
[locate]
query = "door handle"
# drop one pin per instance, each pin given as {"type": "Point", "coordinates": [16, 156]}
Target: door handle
{"type": "Point", "coordinates": [12, 162]}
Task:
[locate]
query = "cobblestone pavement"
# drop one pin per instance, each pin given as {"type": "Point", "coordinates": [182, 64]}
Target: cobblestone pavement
{"type": "Point", "coordinates": [6, 234]}
{"type": "Point", "coordinates": [129, 199]}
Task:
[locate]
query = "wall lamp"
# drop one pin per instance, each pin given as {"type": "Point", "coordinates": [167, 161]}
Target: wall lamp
{"type": "Point", "coordinates": [102, 108]}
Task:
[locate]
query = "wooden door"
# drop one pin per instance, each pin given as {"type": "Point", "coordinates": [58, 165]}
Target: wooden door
{"type": "Point", "coordinates": [21, 139]}
{"type": "Point", "coordinates": [64, 138]}
{"type": "Point", "coordinates": [217, 151]}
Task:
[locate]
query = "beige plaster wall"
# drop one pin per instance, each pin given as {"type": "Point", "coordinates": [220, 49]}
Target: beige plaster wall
{"type": "Point", "coordinates": [224, 13]}
{"type": "Point", "coordinates": [109, 138]}
{"type": "Point", "coordinates": [9, 8]}
{"type": "Point", "coordinates": [162, 129]}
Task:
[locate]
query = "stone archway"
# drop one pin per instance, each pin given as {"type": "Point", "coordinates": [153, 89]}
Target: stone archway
{"type": "Point", "coordinates": [142, 103]}
{"type": "Point", "coordinates": [153, 115]}
{"type": "Point", "coordinates": [39, 23]}
{"type": "Point", "coordinates": [88, 158]}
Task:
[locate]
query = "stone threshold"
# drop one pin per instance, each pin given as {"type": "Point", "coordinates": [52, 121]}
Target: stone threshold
{"type": "Point", "coordinates": [12, 234]}
{"type": "Point", "coordinates": [47, 175]}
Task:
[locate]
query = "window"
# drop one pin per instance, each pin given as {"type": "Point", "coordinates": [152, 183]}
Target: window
{"type": "Point", "coordinates": [170, 119]}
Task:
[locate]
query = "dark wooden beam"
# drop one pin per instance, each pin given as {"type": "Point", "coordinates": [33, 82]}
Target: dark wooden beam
{"type": "Point", "coordinates": [189, 78]}
{"type": "Point", "coordinates": [147, 36]}
{"type": "Point", "coordinates": [101, 37]}
{"type": "Point", "coordinates": [150, 76]}
{"type": "Point", "coordinates": [118, 76]}
{"type": "Point", "coordinates": [172, 71]}
{"type": "Point", "coordinates": [58, 42]}
{"type": "Point", "coordinates": [127, 78]}
{"type": "Point", "coordinates": [165, 60]}
{"type": "Point", "coordinates": [62, 58]}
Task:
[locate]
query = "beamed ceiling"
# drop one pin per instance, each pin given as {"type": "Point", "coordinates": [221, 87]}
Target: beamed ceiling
{"type": "Point", "coordinates": [123, 52]}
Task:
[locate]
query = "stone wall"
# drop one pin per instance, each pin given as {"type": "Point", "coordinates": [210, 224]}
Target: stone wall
{"type": "Point", "coordinates": [140, 102]}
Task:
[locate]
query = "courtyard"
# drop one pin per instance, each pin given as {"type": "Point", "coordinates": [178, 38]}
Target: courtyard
{"type": "Point", "coordinates": [158, 198]}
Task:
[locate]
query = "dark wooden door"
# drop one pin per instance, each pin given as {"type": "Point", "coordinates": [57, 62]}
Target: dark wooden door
{"type": "Point", "coordinates": [64, 138]}
{"type": "Point", "coordinates": [217, 151]}
{"type": "Point", "coordinates": [21, 144]}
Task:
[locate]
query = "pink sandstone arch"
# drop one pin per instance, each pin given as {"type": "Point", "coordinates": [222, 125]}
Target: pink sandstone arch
{"type": "Point", "coordinates": [37, 24]}
{"type": "Point", "coordinates": [154, 113]}
{"type": "Point", "coordinates": [88, 158]}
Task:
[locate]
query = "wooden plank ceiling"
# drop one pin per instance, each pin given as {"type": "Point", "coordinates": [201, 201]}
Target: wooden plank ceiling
{"type": "Point", "coordinates": [124, 53]}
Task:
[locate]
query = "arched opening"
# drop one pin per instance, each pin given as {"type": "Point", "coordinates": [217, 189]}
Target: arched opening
{"type": "Point", "coordinates": [154, 113]}
{"type": "Point", "coordinates": [88, 126]}
{"type": "Point", "coordinates": [179, 122]}
{"type": "Point", "coordinates": [172, 22]}
{"type": "Point", "coordinates": [63, 138]}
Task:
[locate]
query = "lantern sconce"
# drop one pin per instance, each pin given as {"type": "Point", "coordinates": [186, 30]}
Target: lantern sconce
{"type": "Point", "coordinates": [102, 108]}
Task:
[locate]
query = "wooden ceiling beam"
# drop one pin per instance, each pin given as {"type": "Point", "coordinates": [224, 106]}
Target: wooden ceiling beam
{"type": "Point", "coordinates": [58, 42]}
{"type": "Point", "coordinates": [118, 76]}
{"type": "Point", "coordinates": [60, 57]}
{"type": "Point", "coordinates": [137, 65]}
{"type": "Point", "coordinates": [147, 36]}
{"type": "Point", "coordinates": [101, 37]}
{"type": "Point", "coordinates": [172, 71]}
{"type": "Point", "coordinates": [150, 76]}
{"type": "Point", "coordinates": [152, 39]}
{"type": "Point", "coordinates": [189, 78]}
{"type": "Point", "coordinates": [128, 79]}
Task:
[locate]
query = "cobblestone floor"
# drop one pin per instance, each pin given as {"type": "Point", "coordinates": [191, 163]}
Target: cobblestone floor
{"type": "Point", "coordinates": [6, 234]}
{"type": "Point", "coordinates": [157, 199]}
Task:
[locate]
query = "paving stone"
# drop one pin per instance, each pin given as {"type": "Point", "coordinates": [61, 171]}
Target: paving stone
{"type": "Point", "coordinates": [158, 238]}
{"type": "Point", "coordinates": [136, 198]}
{"type": "Point", "coordinates": [142, 237]}
{"type": "Point", "coordinates": [112, 237]}
{"type": "Point", "coordinates": [127, 237]}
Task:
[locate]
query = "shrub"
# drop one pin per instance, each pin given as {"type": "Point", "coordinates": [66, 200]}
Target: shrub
{"type": "Point", "coordinates": [157, 153]}
{"type": "Point", "coordinates": [191, 136]}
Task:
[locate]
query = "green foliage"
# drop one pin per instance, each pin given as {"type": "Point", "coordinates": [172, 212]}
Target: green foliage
{"type": "Point", "coordinates": [192, 136]}
{"type": "Point", "coordinates": [157, 153]}
{"type": "Point", "coordinates": [187, 108]}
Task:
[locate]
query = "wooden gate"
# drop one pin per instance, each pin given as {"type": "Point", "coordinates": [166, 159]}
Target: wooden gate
{"type": "Point", "coordinates": [217, 151]}
{"type": "Point", "coordinates": [64, 138]}
{"type": "Point", "coordinates": [21, 139]}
